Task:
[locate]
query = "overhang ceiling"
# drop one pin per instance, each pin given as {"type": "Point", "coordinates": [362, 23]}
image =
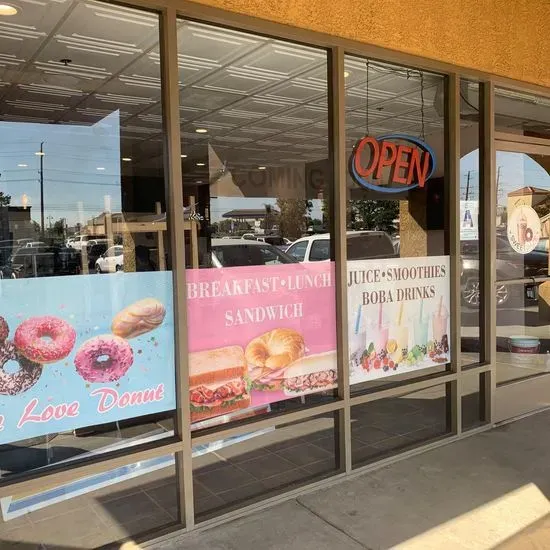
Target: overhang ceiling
{"type": "Point", "coordinates": [262, 101]}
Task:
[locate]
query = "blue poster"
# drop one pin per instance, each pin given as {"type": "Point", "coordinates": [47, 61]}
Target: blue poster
{"type": "Point", "coordinates": [84, 350]}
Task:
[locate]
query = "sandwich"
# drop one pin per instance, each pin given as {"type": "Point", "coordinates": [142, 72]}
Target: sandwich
{"type": "Point", "coordinates": [217, 382]}
{"type": "Point", "coordinates": [311, 374]}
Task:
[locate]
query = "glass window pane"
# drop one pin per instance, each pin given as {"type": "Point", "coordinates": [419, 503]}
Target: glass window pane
{"type": "Point", "coordinates": [261, 464]}
{"type": "Point", "coordinates": [86, 342]}
{"type": "Point", "coordinates": [470, 236]}
{"type": "Point", "coordinates": [95, 511]}
{"type": "Point", "coordinates": [397, 223]}
{"type": "Point", "coordinates": [262, 328]}
{"type": "Point", "coordinates": [392, 425]}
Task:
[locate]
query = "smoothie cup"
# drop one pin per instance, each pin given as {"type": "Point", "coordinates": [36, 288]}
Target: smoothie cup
{"type": "Point", "coordinates": [401, 334]}
{"type": "Point", "coordinates": [440, 320]}
{"type": "Point", "coordinates": [421, 333]}
{"type": "Point", "coordinates": [376, 342]}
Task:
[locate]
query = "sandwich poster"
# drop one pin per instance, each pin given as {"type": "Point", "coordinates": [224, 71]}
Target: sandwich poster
{"type": "Point", "coordinates": [84, 350]}
{"type": "Point", "coordinates": [398, 316]}
{"type": "Point", "coordinates": [258, 335]}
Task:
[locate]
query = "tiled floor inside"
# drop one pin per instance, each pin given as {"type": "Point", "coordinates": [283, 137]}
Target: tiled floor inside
{"type": "Point", "coordinates": [285, 457]}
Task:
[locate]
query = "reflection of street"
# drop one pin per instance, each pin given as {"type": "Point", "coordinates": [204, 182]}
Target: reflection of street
{"type": "Point", "coordinates": [524, 321]}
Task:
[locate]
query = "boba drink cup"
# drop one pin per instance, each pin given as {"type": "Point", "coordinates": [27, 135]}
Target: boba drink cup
{"type": "Point", "coordinates": [421, 333]}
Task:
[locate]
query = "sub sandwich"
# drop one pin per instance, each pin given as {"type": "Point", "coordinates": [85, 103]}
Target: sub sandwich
{"type": "Point", "coordinates": [217, 382]}
{"type": "Point", "coordinates": [311, 374]}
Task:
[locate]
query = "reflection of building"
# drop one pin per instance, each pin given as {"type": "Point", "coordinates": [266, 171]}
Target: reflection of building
{"type": "Point", "coordinates": [15, 223]}
{"type": "Point", "coordinates": [251, 216]}
{"type": "Point", "coordinates": [528, 196]}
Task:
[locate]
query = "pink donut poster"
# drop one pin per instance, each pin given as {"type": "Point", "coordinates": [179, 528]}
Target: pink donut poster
{"type": "Point", "coordinates": [84, 350]}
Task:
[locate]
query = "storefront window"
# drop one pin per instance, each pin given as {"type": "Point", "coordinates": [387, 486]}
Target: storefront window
{"type": "Point", "coordinates": [261, 302]}
{"type": "Point", "coordinates": [522, 272]}
{"type": "Point", "coordinates": [398, 263]}
{"type": "Point", "coordinates": [87, 345]}
{"type": "Point", "coordinates": [471, 284]}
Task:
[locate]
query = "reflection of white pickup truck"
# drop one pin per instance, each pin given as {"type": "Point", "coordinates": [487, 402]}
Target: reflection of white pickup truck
{"type": "Point", "coordinates": [362, 245]}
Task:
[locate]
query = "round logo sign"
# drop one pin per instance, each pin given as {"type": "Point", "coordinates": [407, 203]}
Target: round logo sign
{"type": "Point", "coordinates": [523, 229]}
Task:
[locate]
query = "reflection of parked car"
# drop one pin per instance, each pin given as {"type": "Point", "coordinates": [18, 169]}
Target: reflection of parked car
{"type": "Point", "coordinates": [44, 261]}
{"type": "Point", "coordinates": [230, 253]}
{"type": "Point", "coordinates": [361, 245]}
{"type": "Point", "coordinates": [509, 265]}
{"type": "Point", "coordinates": [275, 240]}
{"type": "Point", "coordinates": [111, 261]}
{"type": "Point", "coordinates": [95, 250]}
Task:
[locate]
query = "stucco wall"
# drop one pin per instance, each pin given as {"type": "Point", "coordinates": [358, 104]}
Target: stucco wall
{"type": "Point", "coordinates": [506, 37]}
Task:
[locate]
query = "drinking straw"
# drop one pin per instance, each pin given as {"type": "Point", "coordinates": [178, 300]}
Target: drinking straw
{"type": "Point", "coordinates": [440, 305]}
{"type": "Point", "coordinates": [380, 315]}
{"type": "Point", "coordinates": [421, 307]}
{"type": "Point", "coordinates": [358, 319]}
{"type": "Point", "coordinates": [400, 317]}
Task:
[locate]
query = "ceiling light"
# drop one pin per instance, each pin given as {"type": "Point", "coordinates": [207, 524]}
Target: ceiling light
{"type": "Point", "coordinates": [126, 159]}
{"type": "Point", "coordinates": [346, 74]}
{"type": "Point", "coordinates": [201, 164]}
{"type": "Point", "coordinates": [261, 167]}
{"type": "Point", "coordinates": [183, 156]}
{"type": "Point", "coordinates": [198, 181]}
{"type": "Point", "coordinates": [100, 168]}
{"type": "Point", "coordinates": [6, 9]}
{"type": "Point", "coordinates": [201, 130]}
{"type": "Point", "coordinates": [22, 165]}
{"type": "Point", "coordinates": [40, 153]}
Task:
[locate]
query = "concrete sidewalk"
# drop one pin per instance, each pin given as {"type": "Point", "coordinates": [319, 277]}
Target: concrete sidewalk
{"type": "Point", "coordinates": [486, 491]}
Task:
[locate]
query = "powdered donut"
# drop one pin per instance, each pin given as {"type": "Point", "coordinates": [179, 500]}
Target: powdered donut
{"type": "Point", "coordinates": [103, 358]}
{"type": "Point", "coordinates": [17, 382]}
{"type": "Point", "coordinates": [138, 318]}
{"type": "Point", "coordinates": [44, 339]}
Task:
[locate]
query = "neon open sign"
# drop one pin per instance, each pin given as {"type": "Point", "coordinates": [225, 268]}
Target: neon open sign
{"type": "Point", "coordinates": [392, 163]}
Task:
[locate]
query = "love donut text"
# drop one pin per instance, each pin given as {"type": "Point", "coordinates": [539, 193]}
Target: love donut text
{"type": "Point", "coordinates": [110, 398]}
{"type": "Point", "coordinates": [56, 412]}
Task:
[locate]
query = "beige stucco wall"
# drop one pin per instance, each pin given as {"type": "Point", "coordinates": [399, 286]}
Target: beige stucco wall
{"type": "Point", "coordinates": [506, 37]}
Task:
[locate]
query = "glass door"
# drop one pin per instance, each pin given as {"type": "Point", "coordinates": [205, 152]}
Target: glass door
{"type": "Point", "coordinates": [522, 286]}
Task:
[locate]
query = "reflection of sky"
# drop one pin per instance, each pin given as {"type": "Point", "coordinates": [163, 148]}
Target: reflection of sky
{"type": "Point", "coordinates": [72, 157]}
{"type": "Point", "coordinates": [515, 170]}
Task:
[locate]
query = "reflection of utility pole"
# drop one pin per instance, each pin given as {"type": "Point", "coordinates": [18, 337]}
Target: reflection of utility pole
{"type": "Point", "coordinates": [468, 184]}
{"type": "Point", "coordinates": [50, 218]}
{"type": "Point", "coordinates": [41, 154]}
{"type": "Point", "coordinates": [498, 182]}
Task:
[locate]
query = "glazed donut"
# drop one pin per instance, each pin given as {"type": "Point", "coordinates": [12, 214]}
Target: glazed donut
{"type": "Point", "coordinates": [275, 349]}
{"type": "Point", "coordinates": [104, 358]}
{"type": "Point", "coordinates": [14, 383]}
{"type": "Point", "coordinates": [138, 318]}
{"type": "Point", "coordinates": [30, 339]}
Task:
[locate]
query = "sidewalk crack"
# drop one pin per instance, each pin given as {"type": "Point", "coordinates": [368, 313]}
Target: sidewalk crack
{"type": "Point", "coordinates": [334, 526]}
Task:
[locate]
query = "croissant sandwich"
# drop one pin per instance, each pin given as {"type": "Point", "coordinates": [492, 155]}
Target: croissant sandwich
{"type": "Point", "coordinates": [270, 354]}
{"type": "Point", "coordinates": [311, 374]}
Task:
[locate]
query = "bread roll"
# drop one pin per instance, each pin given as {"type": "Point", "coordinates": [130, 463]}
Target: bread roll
{"type": "Point", "coordinates": [138, 318]}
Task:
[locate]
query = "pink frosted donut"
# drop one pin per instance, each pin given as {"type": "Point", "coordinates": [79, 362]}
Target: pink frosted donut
{"type": "Point", "coordinates": [104, 358]}
{"type": "Point", "coordinates": [44, 339]}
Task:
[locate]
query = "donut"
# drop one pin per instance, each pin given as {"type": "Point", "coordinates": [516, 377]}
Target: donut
{"type": "Point", "coordinates": [528, 234]}
{"type": "Point", "coordinates": [4, 330]}
{"type": "Point", "coordinates": [138, 318]}
{"type": "Point", "coordinates": [14, 383]}
{"type": "Point", "coordinates": [104, 358]}
{"type": "Point", "coordinates": [44, 339]}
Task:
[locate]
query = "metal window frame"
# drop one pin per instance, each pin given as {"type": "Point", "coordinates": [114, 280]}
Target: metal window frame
{"type": "Point", "coordinates": [181, 444]}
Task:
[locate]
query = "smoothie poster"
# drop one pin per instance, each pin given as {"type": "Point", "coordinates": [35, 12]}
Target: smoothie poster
{"type": "Point", "coordinates": [258, 335]}
{"type": "Point", "coordinates": [398, 316]}
{"type": "Point", "coordinates": [84, 350]}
